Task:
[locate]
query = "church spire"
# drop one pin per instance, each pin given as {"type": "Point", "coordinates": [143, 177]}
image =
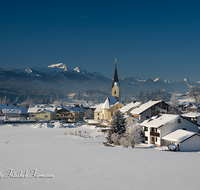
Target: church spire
{"type": "Point", "coordinates": [115, 74]}
{"type": "Point", "coordinates": [115, 85]}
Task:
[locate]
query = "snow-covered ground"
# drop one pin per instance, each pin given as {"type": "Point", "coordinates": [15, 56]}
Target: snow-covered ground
{"type": "Point", "coordinates": [50, 157]}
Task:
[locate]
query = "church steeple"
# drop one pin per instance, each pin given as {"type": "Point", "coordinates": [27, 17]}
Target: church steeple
{"type": "Point", "coordinates": [115, 80]}
{"type": "Point", "coordinates": [115, 85]}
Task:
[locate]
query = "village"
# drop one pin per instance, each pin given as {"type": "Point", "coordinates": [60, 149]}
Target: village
{"type": "Point", "coordinates": [162, 123]}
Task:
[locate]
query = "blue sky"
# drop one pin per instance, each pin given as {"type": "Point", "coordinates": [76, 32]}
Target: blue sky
{"type": "Point", "coordinates": [149, 38]}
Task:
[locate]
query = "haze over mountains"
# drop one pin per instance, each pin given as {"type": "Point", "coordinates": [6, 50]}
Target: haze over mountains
{"type": "Point", "coordinates": [60, 79]}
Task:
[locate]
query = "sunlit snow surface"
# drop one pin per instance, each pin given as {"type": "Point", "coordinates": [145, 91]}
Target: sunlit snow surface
{"type": "Point", "coordinates": [84, 163]}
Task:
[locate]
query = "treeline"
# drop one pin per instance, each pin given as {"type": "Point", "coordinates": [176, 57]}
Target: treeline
{"type": "Point", "coordinates": [91, 95]}
{"type": "Point", "coordinates": [153, 95]}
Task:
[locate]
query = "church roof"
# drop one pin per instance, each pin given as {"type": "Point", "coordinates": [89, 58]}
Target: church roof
{"type": "Point", "coordinates": [110, 101]}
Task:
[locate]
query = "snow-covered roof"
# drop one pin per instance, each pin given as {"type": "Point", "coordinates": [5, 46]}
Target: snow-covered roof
{"type": "Point", "coordinates": [88, 105]}
{"type": "Point", "coordinates": [179, 135]}
{"type": "Point", "coordinates": [106, 104]}
{"type": "Point", "coordinates": [98, 108]}
{"type": "Point", "coordinates": [110, 101]}
{"type": "Point", "coordinates": [37, 109]}
{"type": "Point", "coordinates": [129, 106]}
{"type": "Point", "coordinates": [191, 114]}
{"type": "Point", "coordinates": [6, 111]}
{"type": "Point", "coordinates": [11, 106]}
{"type": "Point", "coordinates": [160, 120]}
{"type": "Point", "coordinates": [74, 109]}
{"type": "Point", "coordinates": [144, 107]}
{"type": "Point", "coordinates": [194, 104]}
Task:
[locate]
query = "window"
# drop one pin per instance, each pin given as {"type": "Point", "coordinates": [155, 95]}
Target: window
{"type": "Point", "coordinates": [111, 113]}
{"type": "Point", "coordinates": [146, 138]}
{"type": "Point", "coordinates": [179, 120]}
{"type": "Point", "coordinates": [46, 116]}
{"type": "Point", "coordinates": [147, 117]}
{"type": "Point", "coordinates": [184, 128]}
{"type": "Point", "coordinates": [117, 108]}
{"type": "Point", "coordinates": [156, 129]}
{"type": "Point", "coordinates": [152, 129]}
{"type": "Point", "coordinates": [145, 128]}
{"type": "Point", "coordinates": [115, 92]}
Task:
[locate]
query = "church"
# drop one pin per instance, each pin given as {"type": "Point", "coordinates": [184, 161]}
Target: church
{"type": "Point", "coordinates": [106, 110]}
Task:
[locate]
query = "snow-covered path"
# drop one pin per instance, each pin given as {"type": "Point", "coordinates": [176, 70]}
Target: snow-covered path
{"type": "Point", "coordinates": [84, 163]}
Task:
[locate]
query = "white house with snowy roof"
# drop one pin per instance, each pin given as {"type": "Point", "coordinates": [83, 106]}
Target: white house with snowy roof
{"type": "Point", "coordinates": [194, 116]}
{"type": "Point", "coordinates": [10, 111]}
{"type": "Point", "coordinates": [185, 140]}
{"type": "Point", "coordinates": [151, 108]}
{"type": "Point", "coordinates": [161, 125]}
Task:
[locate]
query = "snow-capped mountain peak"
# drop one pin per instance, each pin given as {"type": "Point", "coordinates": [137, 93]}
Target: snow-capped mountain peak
{"type": "Point", "coordinates": [80, 70]}
{"type": "Point", "coordinates": [161, 80]}
{"type": "Point", "coordinates": [187, 80]}
{"type": "Point", "coordinates": [60, 66]}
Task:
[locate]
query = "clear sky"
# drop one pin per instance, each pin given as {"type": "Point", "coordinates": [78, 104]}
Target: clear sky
{"type": "Point", "coordinates": [149, 38]}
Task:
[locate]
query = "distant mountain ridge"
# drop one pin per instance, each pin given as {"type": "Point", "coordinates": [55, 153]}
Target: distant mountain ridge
{"type": "Point", "coordinates": [59, 78]}
{"type": "Point", "coordinates": [55, 69]}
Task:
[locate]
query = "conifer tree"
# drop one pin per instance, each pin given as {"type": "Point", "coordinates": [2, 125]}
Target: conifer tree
{"type": "Point", "coordinates": [117, 125]}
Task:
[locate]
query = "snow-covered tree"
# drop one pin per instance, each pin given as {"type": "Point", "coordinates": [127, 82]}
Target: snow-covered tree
{"type": "Point", "coordinates": [89, 114]}
{"type": "Point", "coordinates": [135, 135]}
{"type": "Point", "coordinates": [174, 101]}
{"type": "Point", "coordinates": [194, 93]}
{"type": "Point", "coordinates": [117, 125]}
{"type": "Point", "coordinates": [27, 103]}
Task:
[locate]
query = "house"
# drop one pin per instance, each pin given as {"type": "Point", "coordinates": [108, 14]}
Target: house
{"type": "Point", "coordinates": [186, 140]}
{"type": "Point", "coordinates": [42, 112]}
{"type": "Point", "coordinates": [161, 125]}
{"type": "Point", "coordinates": [13, 111]}
{"type": "Point", "coordinates": [192, 106]}
{"type": "Point", "coordinates": [129, 107]}
{"type": "Point", "coordinates": [70, 113]}
{"type": "Point", "coordinates": [194, 116]}
{"type": "Point", "coordinates": [151, 108]}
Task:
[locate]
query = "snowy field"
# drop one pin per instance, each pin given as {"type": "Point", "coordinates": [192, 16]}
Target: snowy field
{"type": "Point", "coordinates": [48, 157]}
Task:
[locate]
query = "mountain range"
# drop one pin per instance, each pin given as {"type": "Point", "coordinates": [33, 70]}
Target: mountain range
{"type": "Point", "coordinates": [59, 79]}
